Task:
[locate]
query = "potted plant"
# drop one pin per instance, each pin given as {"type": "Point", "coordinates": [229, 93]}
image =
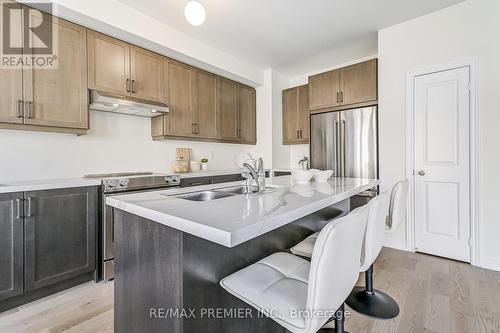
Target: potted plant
{"type": "Point", "coordinates": [204, 164]}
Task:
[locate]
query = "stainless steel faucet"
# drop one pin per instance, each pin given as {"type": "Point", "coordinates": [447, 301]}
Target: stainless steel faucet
{"type": "Point", "coordinates": [251, 175]}
{"type": "Point", "coordinates": [304, 163]}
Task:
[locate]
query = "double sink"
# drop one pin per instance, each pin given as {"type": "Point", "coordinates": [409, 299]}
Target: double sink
{"type": "Point", "coordinates": [208, 195]}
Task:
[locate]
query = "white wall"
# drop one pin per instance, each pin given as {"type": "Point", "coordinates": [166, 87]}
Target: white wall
{"type": "Point", "coordinates": [114, 143]}
{"type": "Point", "coordinates": [469, 29]}
{"type": "Point", "coordinates": [281, 153]}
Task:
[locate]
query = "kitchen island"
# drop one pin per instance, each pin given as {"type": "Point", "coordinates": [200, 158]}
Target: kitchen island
{"type": "Point", "coordinates": [172, 248]}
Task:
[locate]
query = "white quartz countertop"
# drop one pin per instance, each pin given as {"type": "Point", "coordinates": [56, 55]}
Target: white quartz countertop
{"type": "Point", "coordinates": [46, 184]}
{"type": "Point", "coordinates": [233, 220]}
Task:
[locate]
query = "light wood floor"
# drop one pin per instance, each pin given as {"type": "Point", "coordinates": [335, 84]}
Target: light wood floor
{"type": "Point", "coordinates": [435, 295]}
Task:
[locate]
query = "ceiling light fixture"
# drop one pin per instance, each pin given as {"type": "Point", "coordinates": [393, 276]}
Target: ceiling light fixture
{"type": "Point", "coordinates": [195, 13]}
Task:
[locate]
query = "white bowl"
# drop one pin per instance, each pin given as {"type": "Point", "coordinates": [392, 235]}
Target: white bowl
{"type": "Point", "coordinates": [321, 176]}
{"type": "Point", "coordinates": [302, 176]}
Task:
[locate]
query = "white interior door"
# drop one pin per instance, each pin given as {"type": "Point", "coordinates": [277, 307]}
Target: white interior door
{"type": "Point", "coordinates": [441, 163]}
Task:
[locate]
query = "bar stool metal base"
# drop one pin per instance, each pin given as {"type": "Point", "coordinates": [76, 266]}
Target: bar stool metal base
{"type": "Point", "coordinates": [372, 302]}
{"type": "Point", "coordinates": [377, 304]}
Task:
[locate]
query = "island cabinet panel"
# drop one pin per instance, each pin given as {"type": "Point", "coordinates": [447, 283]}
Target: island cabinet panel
{"type": "Point", "coordinates": [228, 109]}
{"type": "Point", "coordinates": [11, 245]}
{"type": "Point", "coordinates": [205, 116]}
{"type": "Point", "coordinates": [296, 115]}
{"type": "Point", "coordinates": [158, 267]}
{"type": "Point", "coordinates": [109, 64]}
{"type": "Point", "coordinates": [246, 115]}
{"type": "Point", "coordinates": [324, 90]}
{"type": "Point", "coordinates": [59, 235]}
{"type": "Point", "coordinates": [358, 83]}
{"type": "Point", "coordinates": [59, 97]}
{"type": "Point", "coordinates": [146, 72]}
{"type": "Point", "coordinates": [181, 98]}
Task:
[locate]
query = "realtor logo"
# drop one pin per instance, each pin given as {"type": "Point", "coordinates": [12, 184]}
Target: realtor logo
{"type": "Point", "coordinates": [28, 36]}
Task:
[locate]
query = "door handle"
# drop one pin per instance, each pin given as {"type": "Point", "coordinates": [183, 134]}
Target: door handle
{"type": "Point", "coordinates": [18, 204]}
{"type": "Point", "coordinates": [127, 85]}
{"type": "Point", "coordinates": [341, 96]}
{"type": "Point", "coordinates": [133, 86]}
{"type": "Point", "coordinates": [421, 173]}
{"type": "Point", "coordinates": [338, 97]}
{"type": "Point", "coordinates": [300, 134]}
{"type": "Point", "coordinates": [193, 131]}
{"type": "Point", "coordinates": [20, 108]}
{"type": "Point", "coordinates": [29, 207]}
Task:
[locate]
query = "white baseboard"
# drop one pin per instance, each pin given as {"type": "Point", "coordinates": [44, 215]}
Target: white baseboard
{"type": "Point", "coordinates": [490, 263]}
{"type": "Point", "coordinates": [395, 244]}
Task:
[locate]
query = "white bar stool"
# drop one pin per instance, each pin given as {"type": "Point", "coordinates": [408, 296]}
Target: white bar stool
{"type": "Point", "coordinates": [300, 295]}
{"type": "Point", "coordinates": [366, 299]}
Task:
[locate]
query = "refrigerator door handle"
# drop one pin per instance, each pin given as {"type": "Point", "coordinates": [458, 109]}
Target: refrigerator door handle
{"type": "Point", "coordinates": [344, 148]}
{"type": "Point", "coordinates": [338, 172]}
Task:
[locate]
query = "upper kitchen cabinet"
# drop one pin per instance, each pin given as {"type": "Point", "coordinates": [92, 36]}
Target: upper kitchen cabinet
{"type": "Point", "coordinates": [296, 117]}
{"type": "Point", "coordinates": [58, 97]}
{"type": "Point", "coordinates": [324, 90]}
{"type": "Point", "coordinates": [355, 85]}
{"type": "Point", "coordinates": [109, 64]}
{"type": "Point", "coordinates": [119, 68]}
{"type": "Point", "coordinates": [246, 115]}
{"type": "Point", "coordinates": [146, 72]}
{"type": "Point", "coordinates": [228, 110]}
{"type": "Point", "coordinates": [11, 80]}
{"type": "Point", "coordinates": [47, 99]}
{"type": "Point", "coordinates": [205, 116]}
{"type": "Point", "coordinates": [179, 83]}
{"type": "Point", "coordinates": [358, 83]}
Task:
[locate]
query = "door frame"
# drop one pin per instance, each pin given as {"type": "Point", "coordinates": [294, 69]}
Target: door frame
{"type": "Point", "coordinates": [472, 64]}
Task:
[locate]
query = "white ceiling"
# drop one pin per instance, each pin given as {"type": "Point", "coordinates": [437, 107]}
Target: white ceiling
{"type": "Point", "coordinates": [283, 34]}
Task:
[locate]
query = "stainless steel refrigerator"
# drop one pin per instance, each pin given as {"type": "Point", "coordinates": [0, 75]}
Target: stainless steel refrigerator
{"type": "Point", "coordinates": [346, 142]}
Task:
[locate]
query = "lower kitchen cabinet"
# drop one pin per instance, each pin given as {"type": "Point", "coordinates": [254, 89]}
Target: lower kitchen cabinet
{"type": "Point", "coordinates": [11, 245]}
{"type": "Point", "coordinates": [47, 242]}
{"type": "Point", "coordinates": [59, 235]}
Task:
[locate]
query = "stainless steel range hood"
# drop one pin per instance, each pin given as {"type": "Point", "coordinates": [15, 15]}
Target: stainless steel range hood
{"type": "Point", "coordinates": [105, 102]}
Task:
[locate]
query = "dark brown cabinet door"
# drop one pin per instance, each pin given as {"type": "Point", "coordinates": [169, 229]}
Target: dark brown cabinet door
{"type": "Point", "coordinates": [109, 64]}
{"type": "Point", "coordinates": [11, 80]}
{"type": "Point", "coordinates": [296, 115]}
{"type": "Point", "coordinates": [246, 115]}
{"type": "Point", "coordinates": [305, 116]}
{"type": "Point", "coordinates": [205, 117]}
{"type": "Point", "coordinates": [228, 109]}
{"type": "Point", "coordinates": [323, 90]}
{"type": "Point", "coordinates": [358, 83]}
{"type": "Point", "coordinates": [11, 245]}
{"type": "Point", "coordinates": [59, 235]}
{"type": "Point", "coordinates": [180, 88]}
{"type": "Point", "coordinates": [146, 69]}
{"type": "Point", "coordinates": [59, 97]}
{"type": "Point", "coordinates": [291, 116]}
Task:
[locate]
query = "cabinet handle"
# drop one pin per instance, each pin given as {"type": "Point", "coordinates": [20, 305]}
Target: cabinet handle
{"type": "Point", "coordinates": [338, 97]}
{"type": "Point", "coordinates": [29, 207]}
{"type": "Point", "coordinates": [29, 110]}
{"type": "Point", "coordinates": [301, 134]}
{"type": "Point", "coordinates": [18, 204]}
{"type": "Point", "coordinates": [127, 85]}
{"type": "Point", "coordinates": [298, 134]}
{"type": "Point", "coordinates": [133, 86]}
{"type": "Point", "coordinates": [193, 131]}
{"type": "Point", "coordinates": [341, 96]}
{"type": "Point", "coordinates": [19, 108]}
